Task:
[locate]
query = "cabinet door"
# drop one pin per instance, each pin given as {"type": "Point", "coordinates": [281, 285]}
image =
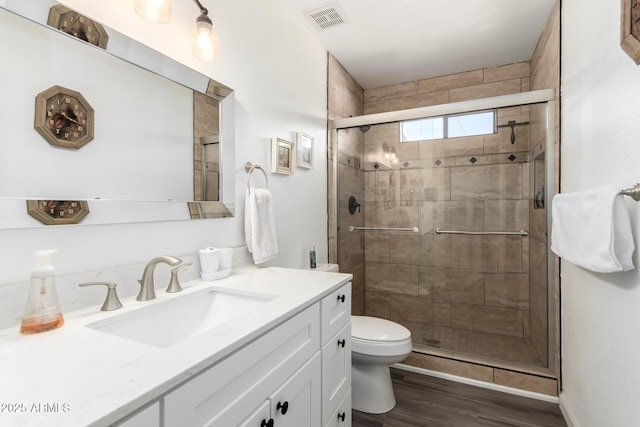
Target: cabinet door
{"type": "Point", "coordinates": [342, 415]}
{"type": "Point", "coordinates": [257, 417]}
{"type": "Point", "coordinates": [297, 402]}
{"type": "Point", "coordinates": [226, 393]}
{"type": "Point", "coordinates": [336, 371]}
{"type": "Point", "coordinates": [335, 311]}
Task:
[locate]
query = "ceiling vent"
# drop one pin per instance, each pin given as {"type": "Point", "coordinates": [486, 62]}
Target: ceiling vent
{"type": "Point", "coordinates": [326, 16]}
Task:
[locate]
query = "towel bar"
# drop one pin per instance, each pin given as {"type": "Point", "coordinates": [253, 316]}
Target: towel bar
{"type": "Point", "coordinates": [483, 233]}
{"type": "Point", "coordinates": [250, 167]}
{"type": "Point", "coordinates": [633, 192]}
{"type": "Point", "coordinates": [414, 229]}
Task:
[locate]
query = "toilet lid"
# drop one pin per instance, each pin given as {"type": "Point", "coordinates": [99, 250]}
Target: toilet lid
{"type": "Point", "coordinates": [375, 329]}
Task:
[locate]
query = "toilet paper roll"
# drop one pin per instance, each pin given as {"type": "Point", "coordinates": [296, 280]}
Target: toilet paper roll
{"type": "Point", "coordinates": [209, 260]}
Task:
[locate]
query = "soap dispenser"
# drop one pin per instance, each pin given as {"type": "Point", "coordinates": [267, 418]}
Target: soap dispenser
{"type": "Point", "coordinates": [43, 309]}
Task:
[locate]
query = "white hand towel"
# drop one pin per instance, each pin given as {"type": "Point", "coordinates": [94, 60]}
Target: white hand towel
{"type": "Point", "coordinates": [259, 225]}
{"type": "Point", "coordinates": [591, 229]}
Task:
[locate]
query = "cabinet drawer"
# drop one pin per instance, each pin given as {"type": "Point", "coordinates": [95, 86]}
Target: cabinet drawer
{"type": "Point", "coordinates": [336, 371]}
{"type": "Point", "coordinates": [335, 312]}
{"type": "Point", "coordinates": [342, 415]}
{"type": "Point", "coordinates": [247, 375]}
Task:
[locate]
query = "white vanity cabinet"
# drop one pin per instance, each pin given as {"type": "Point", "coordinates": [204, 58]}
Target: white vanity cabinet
{"type": "Point", "coordinates": [268, 367]}
{"type": "Point", "coordinates": [336, 357]}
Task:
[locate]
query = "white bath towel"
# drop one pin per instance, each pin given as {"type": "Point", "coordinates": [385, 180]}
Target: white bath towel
{"type": "Point", "coordinates": [591, 229]}
{"type": "Point", "coordinates": [259, 225]}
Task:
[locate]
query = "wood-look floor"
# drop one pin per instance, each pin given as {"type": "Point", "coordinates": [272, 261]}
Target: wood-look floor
{"type": "Point", "coordinates": [427, 401]}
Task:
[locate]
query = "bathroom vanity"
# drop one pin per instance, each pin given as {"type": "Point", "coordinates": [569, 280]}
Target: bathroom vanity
{"type": "Point", "coordinates": [263, 347]}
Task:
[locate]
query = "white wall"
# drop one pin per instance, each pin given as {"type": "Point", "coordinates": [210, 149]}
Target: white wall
{"type": "Point", "coordinates": [600, 146]}
{"type": "Point", "coordinates": [278, 71]}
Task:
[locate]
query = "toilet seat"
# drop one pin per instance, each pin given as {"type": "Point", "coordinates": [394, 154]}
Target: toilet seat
{"type": "Point", "coordinates": [379, 337]}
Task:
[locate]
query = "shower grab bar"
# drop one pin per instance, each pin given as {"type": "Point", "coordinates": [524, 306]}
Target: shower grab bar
{"type": "Point", "coordinates": [414, 229]}
{"type": "Point", "coordinates": [484, 233]}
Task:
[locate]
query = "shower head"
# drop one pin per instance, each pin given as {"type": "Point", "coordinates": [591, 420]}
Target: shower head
{"type": "Point", "coordinates": [364, 128]}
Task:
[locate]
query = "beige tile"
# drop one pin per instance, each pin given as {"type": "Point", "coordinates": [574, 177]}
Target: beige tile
{"type": "Point", "coordinates": [409, 308]}
{"type": "Point", "coordinates": [411, 184]}
{"type": "Point", "coordinates": [391, 214]}
{"type": "Point", "coordinates": [507, 290]}
{"type": "Point", "coordinates": [501, 142]}
{"type": "Point", "coordinates": [422, 100]}
{"type": "Point", "coordinates": [405, 248]}
{"type": "Point", "coordinates": [454, 215]}
{"type": "Point", "coordinates": [376, 304]}
{"type": "Point", "coordinates": [458, 146]}
{"type": "Point", "coordinates": [522, 381]}
{"type": "Point", "coordinates": [487, 182]}
{"type": "Point", "coordinates": [506, 215]}
{"type": "Point", "coordinates": [436, 184]}
{"type": "Point", "coordinates": [377, 246]}
{"type": "Point", "coordinates": [448, 366]}
{"type": "Point", "coordinates": [451, 81]}
{"type": "Point", "coordinates": [479, 253]}
{"type": "Point", "coordinates": [494, 320]}
{"type": "Point", "coordinates": [392, 91]}
{"type": "Point", "coordinates": [376, 107]}
{"type": "Point", "coordinates": [350, 251]}
{"type": "Point", "coordinates": [452, 284]}
{"type": "Point", "coordinates": [507, 72]}
{"type": "Point", "coordinates": [510, 253]}
{"type": "Point", "coordinates": [397, 278]}
{"type": "Point", "coordinates": [426, 149]}
{"type": "Point", "coordinates": [485, 90]}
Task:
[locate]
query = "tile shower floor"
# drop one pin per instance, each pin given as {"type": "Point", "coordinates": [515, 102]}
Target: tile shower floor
{"type": "Point", "coordinates": [511, 349]}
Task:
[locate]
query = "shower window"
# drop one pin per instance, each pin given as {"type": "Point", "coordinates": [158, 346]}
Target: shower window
{"type": "Point", "coordinates": [449, 126]}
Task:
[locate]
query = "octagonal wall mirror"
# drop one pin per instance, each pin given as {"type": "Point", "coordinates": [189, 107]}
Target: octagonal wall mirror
{"type": "Point", "coordinates": [163, 140]}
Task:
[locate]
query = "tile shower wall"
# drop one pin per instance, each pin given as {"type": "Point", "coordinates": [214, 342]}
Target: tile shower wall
{"type": "Point", "coordinates": [421, 280]}
{"type": "Point", "coordinates": [346, 99]}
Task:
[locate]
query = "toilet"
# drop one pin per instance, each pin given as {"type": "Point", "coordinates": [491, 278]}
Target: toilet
{"type": "Point", "coordinates": [375, 345]}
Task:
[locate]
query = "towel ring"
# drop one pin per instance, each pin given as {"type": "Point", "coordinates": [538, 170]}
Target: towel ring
{"type": "Point", "coordinates": [250, 167]}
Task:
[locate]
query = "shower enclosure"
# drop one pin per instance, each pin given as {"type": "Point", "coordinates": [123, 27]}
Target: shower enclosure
{"type": "Point", "coordinates": [441, 217]}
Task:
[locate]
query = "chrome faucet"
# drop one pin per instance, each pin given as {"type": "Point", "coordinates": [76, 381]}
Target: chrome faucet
{"type": "Point", "coordinates": [147, 288]}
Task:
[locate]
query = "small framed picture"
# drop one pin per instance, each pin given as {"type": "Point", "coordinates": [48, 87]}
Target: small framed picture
{"type": "Point", "coordinates": [305, 150]}
{"type": "Point", "coordinates": [282, 156]}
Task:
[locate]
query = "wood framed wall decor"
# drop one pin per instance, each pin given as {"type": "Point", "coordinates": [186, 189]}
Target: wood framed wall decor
{"type": "Point", "coordinates": [64, 117]}
{"type": "Point", "coordinates": [282, 156]}
{"type": "Point", "coordinates": [71, 22]}
{"type": "Point", "coordinates": [58, 212]}
{"type": "Point", "coordinates": [630, 29]}
{"type": "Point", "coordinates": [304, 155]}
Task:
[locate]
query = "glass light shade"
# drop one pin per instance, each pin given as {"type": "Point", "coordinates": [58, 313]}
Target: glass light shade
{"type": "Point", "coordinates": [154, 10]}
{"type": "Point", "coordinates": [204, 42]}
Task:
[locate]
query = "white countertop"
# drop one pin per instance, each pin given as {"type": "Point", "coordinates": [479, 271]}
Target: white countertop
{"type": "Point", "coordinates": [78, 376]}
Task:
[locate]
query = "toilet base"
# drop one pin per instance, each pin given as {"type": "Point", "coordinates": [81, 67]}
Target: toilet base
{"type": "Point", "coordinates": [372, 388]}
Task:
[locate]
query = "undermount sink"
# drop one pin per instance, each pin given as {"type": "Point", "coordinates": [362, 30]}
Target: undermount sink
{"type": "Point", "coordinates": [167, 323]}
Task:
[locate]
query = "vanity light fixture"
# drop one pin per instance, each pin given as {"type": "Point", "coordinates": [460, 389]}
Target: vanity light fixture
{"type": "Point", "coordinates": [204, 43]}
{"type": "Point", "coordinates": [154, 10]}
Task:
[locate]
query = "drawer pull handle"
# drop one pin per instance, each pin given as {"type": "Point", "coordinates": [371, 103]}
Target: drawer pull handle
{"type": "Point", "coordinates": [266, 423]}
{"type": "Point", "coordinates": [341, 343]}
{"type": "Point", "coordinates": [341, 416]}
{"type": "Point", "coordinates": [341, 298]}
{"type": "Point", "coordinates": [283, 407]}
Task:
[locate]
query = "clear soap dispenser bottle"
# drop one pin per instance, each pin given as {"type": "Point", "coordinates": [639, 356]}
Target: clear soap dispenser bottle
{"type": "Point", "coordinates": [43, 309]}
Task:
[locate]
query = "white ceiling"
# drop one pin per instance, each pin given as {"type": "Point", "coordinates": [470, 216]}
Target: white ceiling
{"type": "Point", "coordinates": [393, 41]}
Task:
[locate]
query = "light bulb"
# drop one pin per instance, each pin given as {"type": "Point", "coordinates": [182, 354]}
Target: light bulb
{"type": "Point", "coordinates": [204, 39]}
{"type": "Point", "coordinates": [154, 10]}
